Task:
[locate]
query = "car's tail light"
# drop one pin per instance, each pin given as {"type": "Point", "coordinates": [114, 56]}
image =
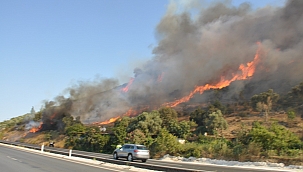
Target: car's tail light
{"type": "Point", "coordinates": [136, 150]}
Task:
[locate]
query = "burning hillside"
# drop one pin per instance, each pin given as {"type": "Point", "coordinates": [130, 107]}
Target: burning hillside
{"type": "Point", "coordinates": [220, 46]}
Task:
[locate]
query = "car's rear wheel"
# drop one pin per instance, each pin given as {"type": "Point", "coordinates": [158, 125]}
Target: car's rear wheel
{"type": "Point", "coordinates": [144, 160]}
{"type": "Point", "coordinates": [130, 157]}
{"type": "Point", "coordinates": [116, 155]}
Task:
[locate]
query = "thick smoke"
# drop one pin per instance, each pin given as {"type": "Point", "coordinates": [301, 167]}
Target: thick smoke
{"type": "Point", "coordinates": [198, 48]}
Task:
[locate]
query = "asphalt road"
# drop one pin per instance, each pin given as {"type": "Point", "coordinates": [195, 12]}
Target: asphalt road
{"type": "Point", "coordinates": [211, 167]}
{"type": "Point", "coordinates": [197, 166]}
{"type": "Point", "coordinates": [44, 164]}
{"type": "Point", "coordinates": [12, 160]}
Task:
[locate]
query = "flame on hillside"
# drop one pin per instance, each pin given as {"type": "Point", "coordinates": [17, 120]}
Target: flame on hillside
{"type": "Point", "coordinates": [246, 72]}
{"type": "Point", "coordinates": [35, 129]}
{"type": "Point", "coordinates": [131, 112]}
{"type": "Point", "coordinates": [195, 54]}
{"type": "Point", "coordinates": [125, 89]}
{"type": "Point", "coordinates": [111, 120]}
{"type": "Point", "coordinates": [160, 77]}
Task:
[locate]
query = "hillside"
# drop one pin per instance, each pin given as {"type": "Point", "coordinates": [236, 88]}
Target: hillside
{"type": "Point", "coordinates": [235, 122]}
{"type": "Point", "coordinates": [267, 127]}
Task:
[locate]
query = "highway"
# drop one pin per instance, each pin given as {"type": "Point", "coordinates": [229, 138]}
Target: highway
{"type": "Point", "coordinates": [12, 160]}
{"type": "Point", "coordinates": [198, 166]}
{"type": "Point", "coordinates": [190, 166]}
{"type": "Point", "coordinates": [151, 164]}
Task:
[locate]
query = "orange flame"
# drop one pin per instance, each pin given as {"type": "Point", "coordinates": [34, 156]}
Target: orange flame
{"type": "Point", "coordinates": [35, 129]}
{"type": "Point", "coordinates": [125, 89]}
{"type": "Point", "coordinates": [247, 71]}
{"type": "Point", "coordinates": [130, 112]}
{"type": "Point", "coordinates": [109, 121]}
{"type": "Point", "coordinates": [160, 77]}
{"type": "Point", "coordinates": [53, 116]}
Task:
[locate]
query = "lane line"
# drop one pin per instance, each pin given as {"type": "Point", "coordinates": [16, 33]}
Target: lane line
{"type": "Point", "coordinates": [62, 158]}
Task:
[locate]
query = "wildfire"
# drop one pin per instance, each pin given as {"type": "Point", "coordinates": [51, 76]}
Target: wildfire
{"type": "Point", "coordinates": [160, 77]}
{"type": "Point", "coordinates": [246, 72]}
{"type": "Point", "coordinates": [110, 120]}
{"type": "Point", "coordinates": [130, 112]}
{"type": "Point", "coordinates": [53, 116]}
{"type": "Point", "coordinates": [125, 89]}
{"type": "Point", "coordinates": [35, 129]}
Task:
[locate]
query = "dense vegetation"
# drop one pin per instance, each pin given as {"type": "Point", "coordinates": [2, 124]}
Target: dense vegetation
{"type": "Point", "coordinates": [202, 129]}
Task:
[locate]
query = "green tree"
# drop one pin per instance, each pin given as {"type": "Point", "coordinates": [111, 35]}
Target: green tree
{"type": "Point", "coordinates": [173, 127]}
{"type": "Point", "coordinates": [294, 99]}
{"type": "Point", "coordinates": [210, 120]}
{"type": "Point", "coordinates": [73, 134]}
{"type": "Point", "coordinates": [76, 129]}
{"type": "Point", "coordinates": [216, 122]}
{"type": "Point", "coordinates": [259, 134]}
{"type": "Point", "coordinates": [263, 97]}
{"type": "Point", "coordinates": [137, 137]}
{"type": "Point", "coordinates": [291, 115]}
{"type": "Point", "coordinates": [69, 120]}
{"type": "Point", "coordinates": [180, 129]}
{"type": "Point", "coordinates": [199, 116]}
{"type": "Point", "coordinates": [38, 116]}
{"type": "Point", "coordinates": [98, 141]}
{"type": "Point", "coordinates": [86, 138]}
{"type": "Point", "coordinates": [283, 138]}
{"type": "Point", "coordinates": [218, 105]}
{"type": "Point", "coordinates": [149, 123]}
{"type": "Point", "coordinates": [167, 114]}
{"type": "Point", "coordinates": [265, 107]}
{"type": "Point", "coordinates": [165, 143]}
{"type": "Point", "coordinates": [92, 140]}
{"type": "Point", "coordinates": [264, 101]}
{"type": "Point", "coordinates": [33, 111]}
{"type": "Point", "coordinates": [276, 137]}
{"type": "Point", "coordinates": [120, 130]}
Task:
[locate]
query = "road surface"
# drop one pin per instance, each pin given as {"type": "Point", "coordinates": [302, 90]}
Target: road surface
{"type": "Point", "coordinates": [12, 160]}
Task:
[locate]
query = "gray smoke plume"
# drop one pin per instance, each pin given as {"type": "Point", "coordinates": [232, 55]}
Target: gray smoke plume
{"type": "Point", "coordinates": [198, 48]}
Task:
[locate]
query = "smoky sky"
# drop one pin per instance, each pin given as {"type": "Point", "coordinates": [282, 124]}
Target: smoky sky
{"type": "Point", "coordinates": [198, 48]}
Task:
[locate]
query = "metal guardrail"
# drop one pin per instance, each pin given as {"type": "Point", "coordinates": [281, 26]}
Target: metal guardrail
{"type": "Point", "coordinates": [98, 156]}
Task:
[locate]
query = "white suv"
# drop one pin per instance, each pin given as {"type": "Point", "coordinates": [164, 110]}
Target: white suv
{"type": "Point", "coordinates": [132, 152]}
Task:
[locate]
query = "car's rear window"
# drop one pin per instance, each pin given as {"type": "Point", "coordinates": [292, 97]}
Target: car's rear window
{"type": "Point", "coordinates": [126, 146]}
{"type": "Point", "coordinates": [141, 147]}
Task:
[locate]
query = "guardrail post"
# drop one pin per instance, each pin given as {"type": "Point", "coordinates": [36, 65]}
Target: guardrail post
{"type": "Point", "coordinates": [42, 148]}
{"type": "Point", "coordinates": [70, 153]}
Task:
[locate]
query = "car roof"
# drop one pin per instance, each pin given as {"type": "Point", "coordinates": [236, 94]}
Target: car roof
{"type": "Point", "coordinates": [134, 144]}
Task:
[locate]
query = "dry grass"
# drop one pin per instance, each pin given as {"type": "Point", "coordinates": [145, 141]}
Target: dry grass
{"type": "Point", "coordinates": [235, 122]}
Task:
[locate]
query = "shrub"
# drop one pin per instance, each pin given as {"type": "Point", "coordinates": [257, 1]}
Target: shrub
{"type": "Point", "coordinates": [165, 143]}
{"type": "Point", "coordinates": [254, 149]}
{"type": "Point", "coordinates": [191, 149]}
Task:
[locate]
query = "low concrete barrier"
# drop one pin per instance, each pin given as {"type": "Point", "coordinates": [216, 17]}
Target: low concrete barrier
{"type": "Point", "coordinates": [83, 154]}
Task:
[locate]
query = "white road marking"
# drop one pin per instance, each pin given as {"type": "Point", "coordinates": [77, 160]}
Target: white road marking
{"type": "Point", "coordinates": [12, 158]}
{"type": "Point", "coordinates": [66, 158]}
